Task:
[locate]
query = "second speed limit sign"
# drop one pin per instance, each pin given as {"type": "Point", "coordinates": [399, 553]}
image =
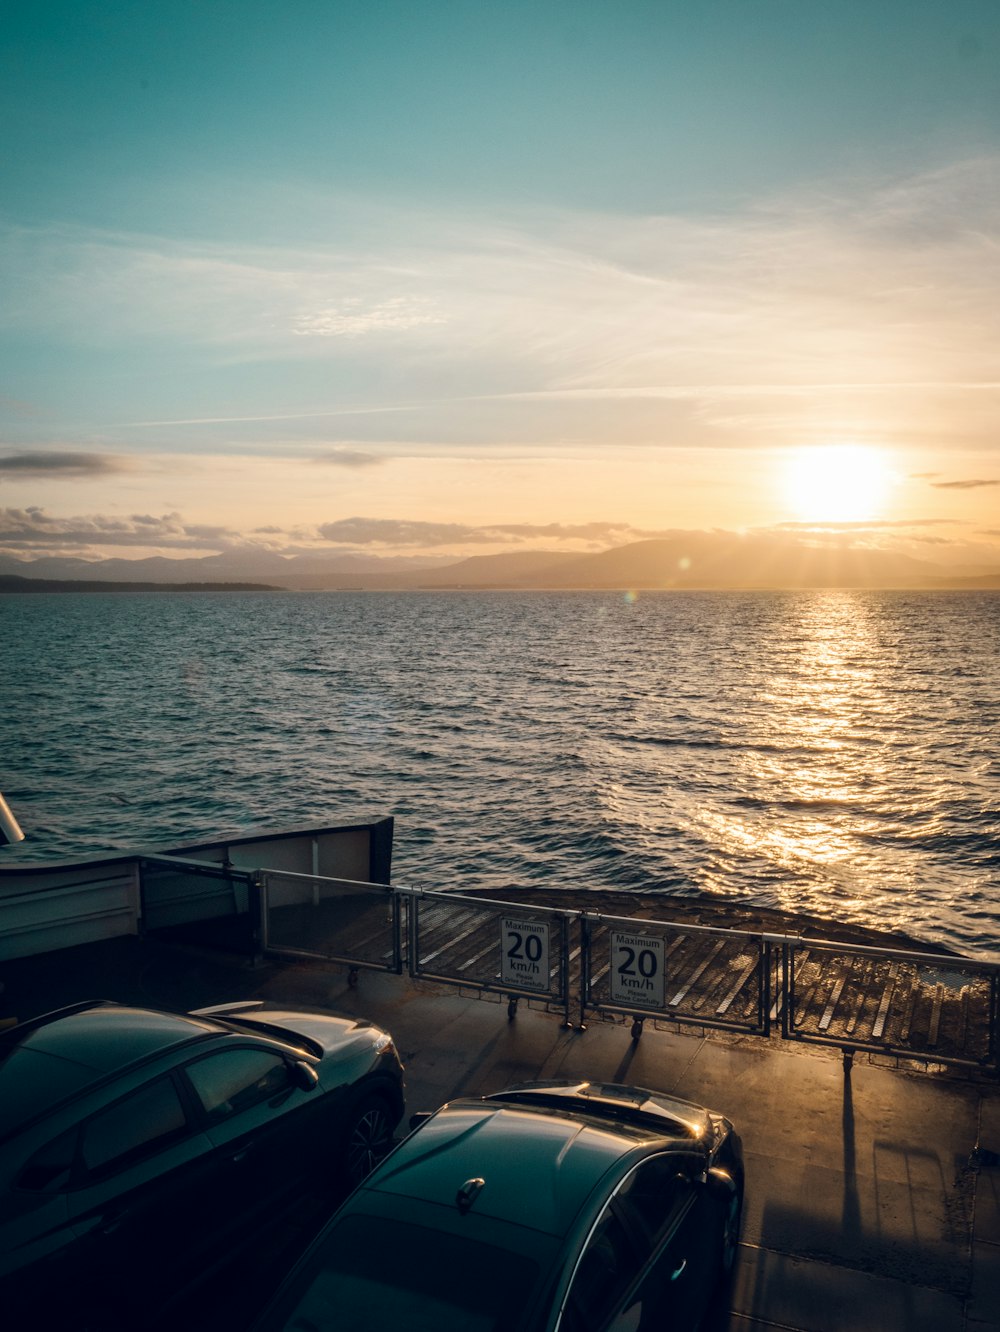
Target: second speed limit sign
{"type": "Point", "coordinates": [524, 951]}
{"type": "Point", "coordinates": [636, 970]}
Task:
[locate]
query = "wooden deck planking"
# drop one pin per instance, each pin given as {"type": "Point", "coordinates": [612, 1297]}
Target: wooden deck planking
{"type": "Point", "coordinates": [878, 1027]}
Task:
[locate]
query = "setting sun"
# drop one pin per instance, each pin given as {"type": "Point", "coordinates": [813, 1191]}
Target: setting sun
{"type": "Point", "coordinates": [837, 483]}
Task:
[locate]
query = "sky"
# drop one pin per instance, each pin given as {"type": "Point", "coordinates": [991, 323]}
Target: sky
{"type": "Point", "coordinates": [443, 277]}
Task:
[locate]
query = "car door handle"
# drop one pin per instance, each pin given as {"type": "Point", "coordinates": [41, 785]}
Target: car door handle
{"type": "Point", "coordinates": [237, 1157]}
{"type": "Point", "coordinates": [111, 1222]}
{"type": "Point", "coordinates": [675, 1275]}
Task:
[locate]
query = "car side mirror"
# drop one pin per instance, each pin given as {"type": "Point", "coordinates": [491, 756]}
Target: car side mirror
{"type": "Point", "coordinates": [720, 1184]}
{"type": "Point", "coordinates": [304, 1075]}
{"type": "Point", "coordinates": [692, 1166]}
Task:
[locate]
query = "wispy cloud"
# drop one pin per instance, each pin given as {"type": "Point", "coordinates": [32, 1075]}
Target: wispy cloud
{"type": "Point", "coordinates": [267, 417]}
{"type": "Point", "coordinates": [234, 301]}
{"type": "Point", "coordinates": [860, 310]}
{"type": "Point", "coordinates": [342, 457]}
{"type": "Point", "coordinates": [355, 318]}
{"type": "Point", "coordinates": [963, 485]}
{"type": "Point", "coordinates": [865, 526]}
{"type": "Point", "coordinates": [69, 463]}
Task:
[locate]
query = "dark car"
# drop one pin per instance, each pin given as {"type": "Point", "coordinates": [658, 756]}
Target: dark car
{"type": "Point", "coordinates": [138, 1148]}
{"type": "Point", "coordinates": [577, 1206]}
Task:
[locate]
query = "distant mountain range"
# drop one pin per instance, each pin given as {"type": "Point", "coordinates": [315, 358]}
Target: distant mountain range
{"type": "Point", "coordinates": [685, 560]}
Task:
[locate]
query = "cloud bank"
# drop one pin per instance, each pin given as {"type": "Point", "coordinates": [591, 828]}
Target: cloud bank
{"type": "Point", "coordinates": [34, 529]}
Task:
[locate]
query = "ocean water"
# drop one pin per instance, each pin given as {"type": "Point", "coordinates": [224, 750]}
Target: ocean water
{"type": "Point", "coordinates": [836, 753]}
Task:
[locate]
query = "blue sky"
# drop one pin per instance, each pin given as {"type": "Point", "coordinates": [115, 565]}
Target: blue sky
{"type": "Point", "coordinates": [267, 267]}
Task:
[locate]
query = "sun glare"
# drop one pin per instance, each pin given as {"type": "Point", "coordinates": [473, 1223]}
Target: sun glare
{"type": "Point", "coordinates": [839, 483]}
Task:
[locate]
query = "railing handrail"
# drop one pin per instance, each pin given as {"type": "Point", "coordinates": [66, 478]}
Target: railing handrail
{"type": "Point", "coordinates": [329, 878]}
{"type": "Point", "coordinates": [443, 895]}
{"type": "Point", "coordinates": [196, 866]}
{"type": "Point", "coordinates": [683, 926]}
{"type": "Point", "coordinates": [960, 961]}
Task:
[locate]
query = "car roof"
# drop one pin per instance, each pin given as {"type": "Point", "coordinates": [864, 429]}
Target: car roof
{"type": "Point", "coordinates": [560, 1153]}
{"type": "Point", "coordinates": [47, 1060]}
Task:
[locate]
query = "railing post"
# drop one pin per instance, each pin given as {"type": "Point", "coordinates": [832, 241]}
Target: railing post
{"type": "Point", "coordinates": [564, 969]}
{"type": "Point", "coordinates": [788, 987]}
{"type": "Point", "coordinates": [412, 913]}
{"type": "Point", "coordinates": [765, 985]}
{"type": "Point", "coordinates": [256, 905]}
{"type": "Point", "coordinates": [140, 925]}
{"type": "Point", "coordinates": [584, 969]}
{"type": "Point", "coordinates": [396, 908]}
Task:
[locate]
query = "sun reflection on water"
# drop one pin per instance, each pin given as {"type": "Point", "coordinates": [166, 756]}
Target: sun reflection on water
{"type": "Point", "coordinates": [819, 760]}
{"type": "Point", "coordinates": [792, 770]}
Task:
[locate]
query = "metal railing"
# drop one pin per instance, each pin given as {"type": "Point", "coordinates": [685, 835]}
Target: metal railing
{"type": "Point", "coordinates": [174, 890]}
{"type": "Point", "coordinates": [929, 1006]}
{"type": "Point", "coordinates": [490, 946]}
{"type": "Point", "coordinates": [339, 920]}
{"type": "Point", "coordinates": [694, 974]}
{"type": "Point", "coordinates": [935, 1008]}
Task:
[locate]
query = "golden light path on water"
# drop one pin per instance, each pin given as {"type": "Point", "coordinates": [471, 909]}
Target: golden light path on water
{"type": "Point", "coordinates": [827, 759]}
{"type": "Point", "coordinates": [822, 721]}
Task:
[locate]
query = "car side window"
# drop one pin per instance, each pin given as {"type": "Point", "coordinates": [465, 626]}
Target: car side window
{"type": "Point", "coordinates": [607, 1267]}
{"type": "Point", "coordinates": [50, 1168]}
{"type": "Point", "coordinates": [655, 1195]}
{"type": "Point", "coordinates": [234, 1080]}
{"type": "Point", "coordinates": [134, 1127]}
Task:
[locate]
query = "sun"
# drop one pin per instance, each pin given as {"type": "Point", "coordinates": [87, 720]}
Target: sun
{"type": "Point", "coordinates": [837, 483]}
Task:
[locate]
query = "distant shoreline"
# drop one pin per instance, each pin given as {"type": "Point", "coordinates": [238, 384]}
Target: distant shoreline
{"type": "Point", "coordinates": [13, 583]}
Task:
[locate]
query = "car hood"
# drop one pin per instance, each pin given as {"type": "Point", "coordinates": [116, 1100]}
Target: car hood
{"type": "Point", "coordinates": [560, 1159]}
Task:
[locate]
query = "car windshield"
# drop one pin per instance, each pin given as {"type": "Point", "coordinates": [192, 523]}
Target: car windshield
{"type": "Point", "coordinates": [31, 1081]}
{"type": "Point", "coordinates": [375, 1272]}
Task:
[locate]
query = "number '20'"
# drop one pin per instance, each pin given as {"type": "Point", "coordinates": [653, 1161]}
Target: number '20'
{"type": "Point", "coordinates": [646, 960]}
{"type": "Point", "coordinates": [532, 946]}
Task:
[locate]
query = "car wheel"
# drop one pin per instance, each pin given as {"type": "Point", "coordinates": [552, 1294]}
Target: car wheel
{"type": "Point", "coordinates": [731, 1234]}
{"type": "Point", "coordinates": [369, 1137]}
{"type": "Point", "coordinates": [716, 1317]}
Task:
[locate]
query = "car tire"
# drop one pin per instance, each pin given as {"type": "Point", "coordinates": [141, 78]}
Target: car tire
{"type": "Point", "coordinates": [368, 1137]}
{"type": "Point", "coordinates": [716, 1317]}
{"type": "Point", "coordinates": [731, 1236]}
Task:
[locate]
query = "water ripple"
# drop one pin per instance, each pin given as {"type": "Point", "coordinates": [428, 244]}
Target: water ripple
{"type": "Point", "coordinates": [833, 753]}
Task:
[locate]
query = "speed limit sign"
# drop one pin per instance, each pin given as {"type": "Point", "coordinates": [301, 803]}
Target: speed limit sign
{"type": "Point", "coordinates": [636, 970]}
{"type": "Point", "coordinates": [524, 953]}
